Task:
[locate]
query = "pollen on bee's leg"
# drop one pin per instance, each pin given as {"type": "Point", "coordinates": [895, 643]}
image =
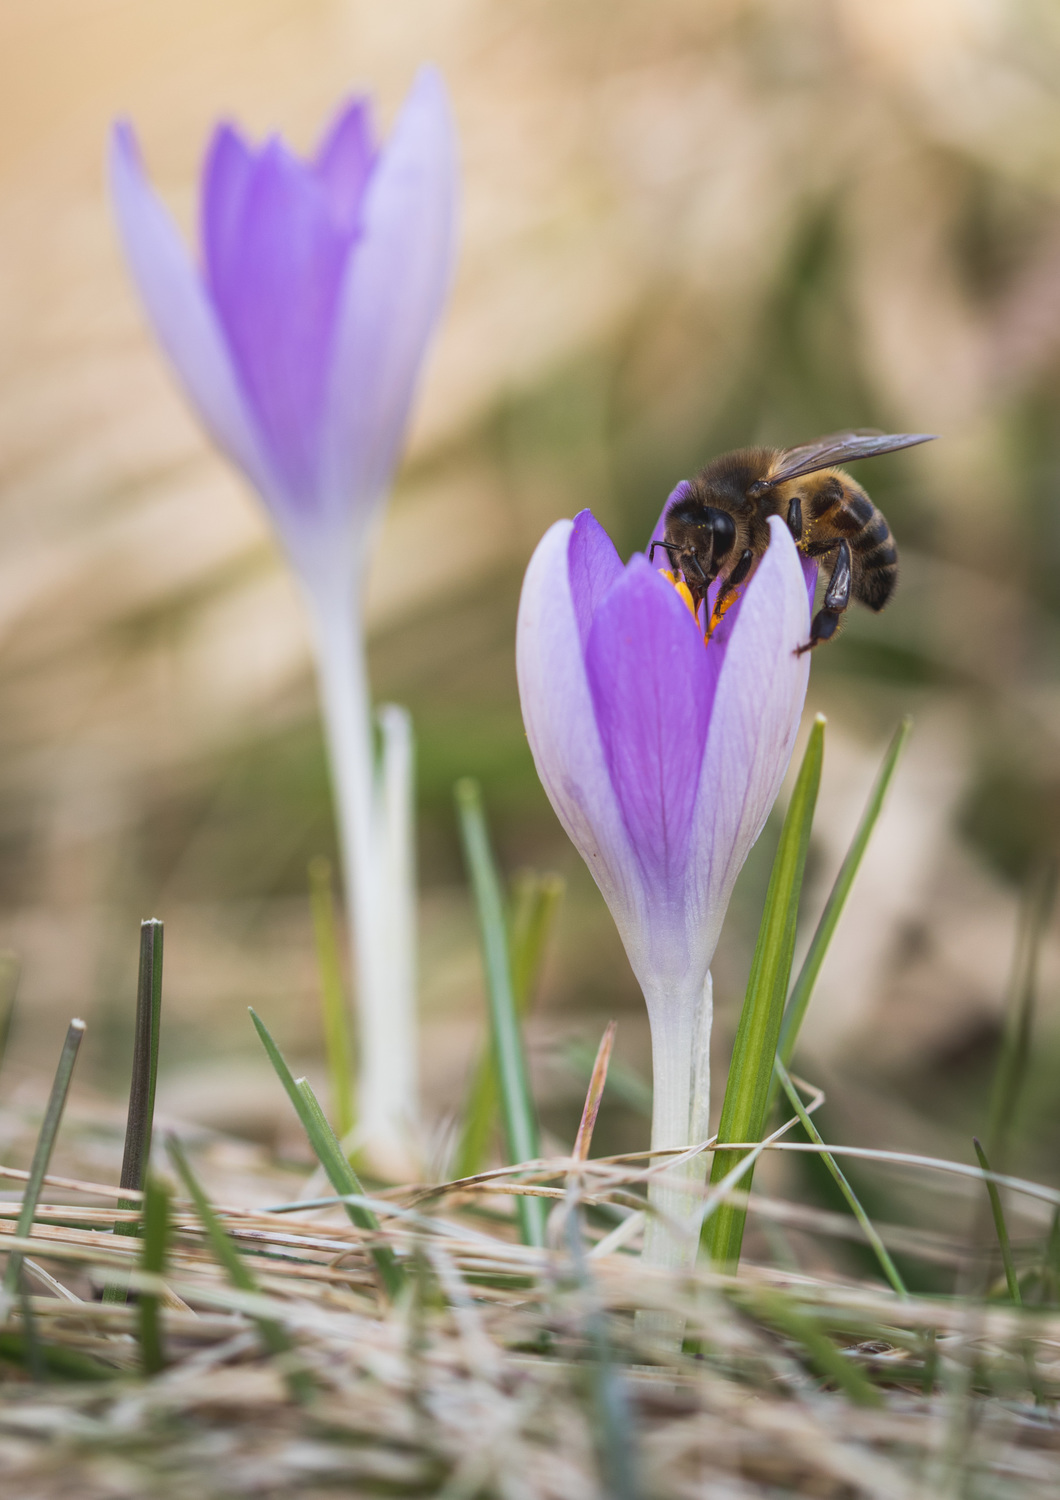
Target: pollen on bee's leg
{"type": "Point", "coordinates": [722, 605]}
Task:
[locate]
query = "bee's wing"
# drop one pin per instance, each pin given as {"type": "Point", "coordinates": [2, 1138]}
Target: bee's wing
{"type": "Point", "coordinates": [841, 448]}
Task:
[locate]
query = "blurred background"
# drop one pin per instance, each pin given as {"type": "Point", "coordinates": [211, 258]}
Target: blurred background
{"type": "Point", "coordinates": [685, 228]}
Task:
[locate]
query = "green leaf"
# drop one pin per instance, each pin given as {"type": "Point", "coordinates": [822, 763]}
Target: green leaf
{"type": "Point", "coordinates": [890, 1270]}
{"type": "Point", "coordinates": [153, 1257]}
{"type": "Point", "coordinates": [273, 1334]}
{"type": "Point", "coordinates": [1001, 1227]}
{"type": "Point", "coordinates": [338, 1045]}
{"type": "Point", "coordinates": [802, 990]}
{"type": "Point", "coordinates": [535, 903]}
{"type": "Point", "coordinates": [329, 1153]}
{"type": "Point", "coordinates": [749, 1084]}
{"type": "Point", "coordinates": [43, 1151]}
{"type": "Point", "coordinates": [509, 1057]}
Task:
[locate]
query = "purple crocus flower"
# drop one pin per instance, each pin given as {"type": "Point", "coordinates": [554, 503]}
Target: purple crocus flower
{"type": "Point", "coordinates": [298, 338]}
{"type": "Point", "coordinates": [662, 756]}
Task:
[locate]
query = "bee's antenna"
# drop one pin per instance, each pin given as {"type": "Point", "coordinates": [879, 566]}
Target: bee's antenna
{"type": "Point", "coordinates": [668, 547]}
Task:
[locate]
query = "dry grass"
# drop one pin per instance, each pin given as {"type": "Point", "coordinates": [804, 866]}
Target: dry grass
{"type": "Point", "coordinates": [505, 1370]}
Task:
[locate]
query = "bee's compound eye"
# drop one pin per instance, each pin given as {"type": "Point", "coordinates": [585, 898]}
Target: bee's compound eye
{"type": "Point", "coordinates": [724, 529]}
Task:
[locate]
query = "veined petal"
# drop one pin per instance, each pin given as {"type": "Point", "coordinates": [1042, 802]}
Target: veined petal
{"type": "Point", "coordinates": [594, 566]}
{"type": "Point", "coordinates": [395, 283]}
{"type": "Point", "coordinates": [182, 316]}
{"type": "Point", "coordinates": [275, 259]}
{"type": "Point", "coordinates": [561, 726]}
{"type": "Point", "coordinates": [758, 701]}
{"type": "Point", "coordinates": [344, 162]}
{"type": "Point", "coordinates": [647, 669]}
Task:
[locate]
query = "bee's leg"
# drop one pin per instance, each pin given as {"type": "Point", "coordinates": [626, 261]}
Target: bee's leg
{"type": "Point", "coordinates": [795, 517]}
{"type": "Point", "coordinates": [836, 598]}
{"type": "Point", "coordinates": [735, 578]}
{"type": "Point", "coordinates": [667, 547]}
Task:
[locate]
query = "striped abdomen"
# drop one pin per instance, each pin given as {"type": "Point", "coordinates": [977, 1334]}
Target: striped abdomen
{"type": "Point", "coordinates": [838, 509]}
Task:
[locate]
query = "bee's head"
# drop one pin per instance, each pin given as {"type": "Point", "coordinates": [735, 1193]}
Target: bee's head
{"type": "Point", "coordinates": [702, 528]}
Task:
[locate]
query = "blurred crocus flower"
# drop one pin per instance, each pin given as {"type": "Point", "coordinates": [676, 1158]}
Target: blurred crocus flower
{"type": "Point", "coordinates": [298, 338]}
{"type": "Point", "coordinates": [662, 756]}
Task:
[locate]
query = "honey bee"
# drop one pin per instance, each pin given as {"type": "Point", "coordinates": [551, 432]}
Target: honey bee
{"type": "Point", "coordinates": [717, 523]}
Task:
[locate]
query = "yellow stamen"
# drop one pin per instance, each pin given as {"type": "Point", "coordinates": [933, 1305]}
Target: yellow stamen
{"type": "Point", "coordinates": [682, 588]}
{"type": "Point", "coordinates": [716, 616]}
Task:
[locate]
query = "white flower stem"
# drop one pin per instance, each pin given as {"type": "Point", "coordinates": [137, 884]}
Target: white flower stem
{"type": "Point", "coordinates": [375, 838]}
{"type": "Point", "coordinates": [680, 1031]}
{"type": "Point", "coordinates": [396, 822]}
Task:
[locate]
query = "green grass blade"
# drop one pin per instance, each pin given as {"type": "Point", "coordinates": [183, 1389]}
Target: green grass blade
{"type": "Point", "coordinates": [780, 1313]}
{"type": "Point", "coordinates": [273, 1335]}
{"type": "Point", "coordinates": [750, 1080]}
{"type": "Point", "coordinates": [536, 901]}
{"type": "Point", "coordinates": [140, 1118]}
{"type": "Point", "coordinates": [43, 1152]}
{"type": "Point", "coordinates": [10, 974]}
{"type": "Point", "coordinates": [345, 1182]}
{"type": "Point", "coordinates": [509, 1057]}
{"type": "Point", "coordinates": [338, 1045]}
{"type": "Point", "coordinates": [802, 990]}
{"type": "Point", "coordinates": [1014, 1059]}
{"type": "Point", "coordinates": [1050, 1272]}
{"type": "Point", "coordinates": [153, 1259]}
{"type": "Point", "coordinates": [890, 1270]}
{"type": "Point", "coordinates": [329, 1153]}
{"type": "Point", "coordinates": [1002, 1228]}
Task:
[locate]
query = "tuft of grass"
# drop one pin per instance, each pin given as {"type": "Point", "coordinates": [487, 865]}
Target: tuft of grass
{"type": "Point", "coordinates": [749, 1085]}
{"type": "Point", "coordinates": [509, 1055]}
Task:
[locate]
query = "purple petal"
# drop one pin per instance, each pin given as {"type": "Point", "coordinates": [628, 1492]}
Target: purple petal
{"type": "Point", "coordinates": [393, 293]}
{"type": "Point", "coordinates": [227, 175]}
{"type": "Point", "coordinates": [345, 160]}
{"type": "Point", "coordinates": [594, 566]}
{"type": "Point", "coordinates": [561, 727]}
{"type": "Point", "coordinates": [274, 265]}
{"type": "Point", "coordinates": [758, 702]}
{"type": "Point", "coordinates": [181, 314]}
{"type": "Point", "coordinates": [646, 664]}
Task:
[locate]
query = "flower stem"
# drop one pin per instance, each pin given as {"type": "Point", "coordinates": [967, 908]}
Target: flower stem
{"type": "Point", "coordinates": [680, 1118]}
{"type": "Point", "coordinates": [378, 901]}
